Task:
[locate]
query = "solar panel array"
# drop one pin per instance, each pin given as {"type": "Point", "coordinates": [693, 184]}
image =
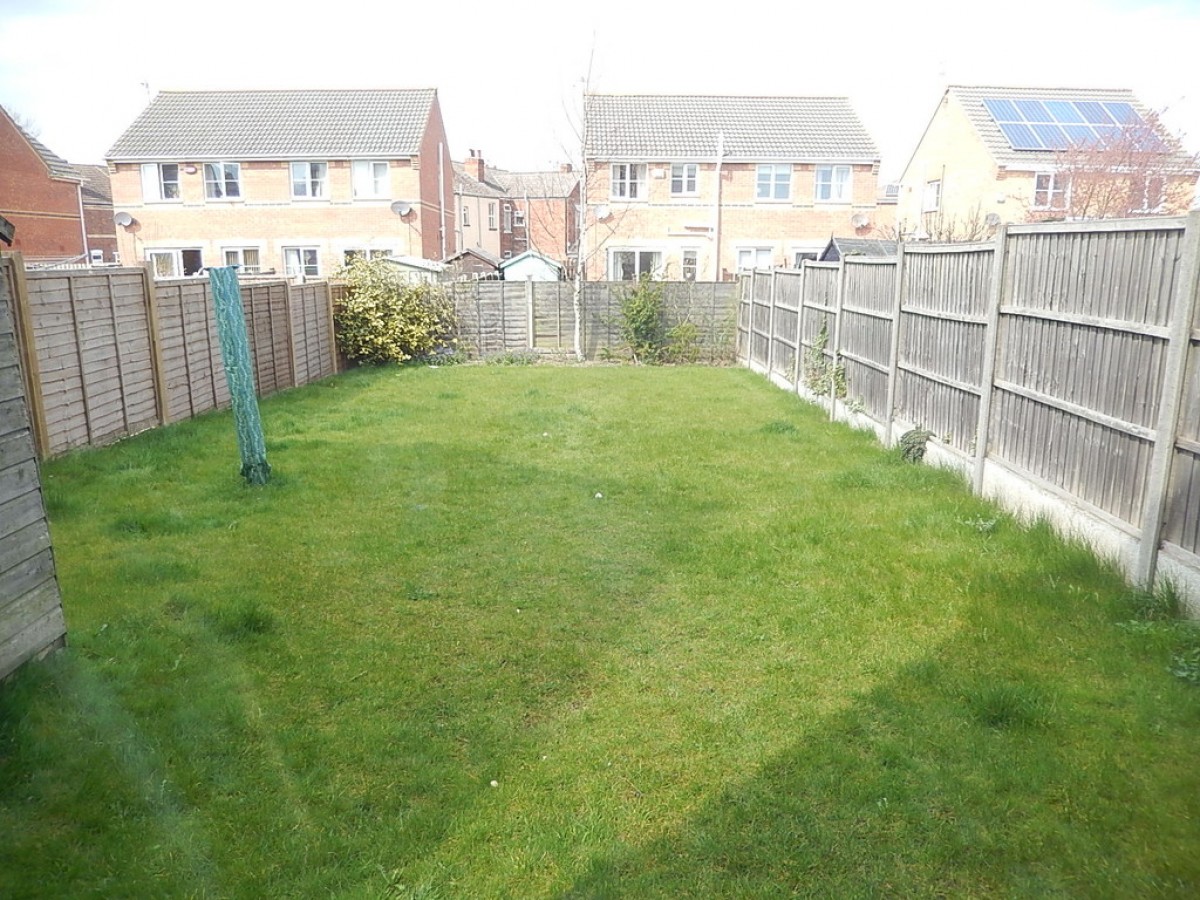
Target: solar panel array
{"type": "Point", "coordinates": [1031, 124]}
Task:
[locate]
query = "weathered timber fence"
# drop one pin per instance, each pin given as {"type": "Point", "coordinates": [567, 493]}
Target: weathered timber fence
{"type": "Point", "coordinates": [499, 316]}
{"type": "Point", "coordinates": [110, 352]}
{"type": "Point", "coordinates": [1058, 366]}
{"type": "Point", "coordinates": [31, 616]}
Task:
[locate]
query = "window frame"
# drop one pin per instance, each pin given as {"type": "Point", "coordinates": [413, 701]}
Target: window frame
{"type": "Point", "coordinates": [364, 170]}
{"type": "Point", "coordinates": [1057, 185]}
{"type": "Point", "coordinates": [844, 197]}
{"type": "Point", "coordinates": [159, 181]}
{"type": "Point", "coordinates": [304, 265]}
{"type": "Point", "coordinates": [773, 183]}
{"type": "Point", "coordinates": [758, 250]}
{"type": "Point", "coordinates": [685, 174]}
{"type": "Point", "coordinates": [686, 266]}
{"type": "Point", "coordinates": [309, 180]}
{"type": "Point", "coordinates": [222, 184]}
{"type": "Point", "coordinates": [931, 196]}
{"type": "Point", "coordinates": [630, 183]}
{"type": "Point", "coordinates": [177, 263]}
{"type": "Point", "coordinates": [656, 262]}
{"type": "Point", "coordinates": [466, 216]}
{"type": "Point", "coordinates": [239, 253]}
{"type": "Point", "coordinates": [492, 215]}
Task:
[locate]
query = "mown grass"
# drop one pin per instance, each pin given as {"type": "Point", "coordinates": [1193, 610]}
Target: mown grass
{"type": "Point", "coordinates": [703, 643]}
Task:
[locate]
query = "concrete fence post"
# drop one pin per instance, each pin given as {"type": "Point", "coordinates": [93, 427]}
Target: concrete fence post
{"type": "Point", "coordinates": [1166, 432]}
{"type": "Point", "coordinates": [991, 345]}
{"type": "Point", "coordinates": [900, 295]}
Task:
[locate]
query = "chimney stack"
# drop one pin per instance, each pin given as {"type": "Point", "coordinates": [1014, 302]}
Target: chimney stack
{"type": "Point", "coordinates": [474, 165]}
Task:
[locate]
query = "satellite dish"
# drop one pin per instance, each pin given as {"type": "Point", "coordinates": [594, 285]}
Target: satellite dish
{"type": "Point", "coordinates": [401, 207]}
{"type": "Point", "coordinates": [860, 220]}
{"type": "Point", "coordinates": [991, 220]}
{"type": "Point", "coordinates": [123, 219]}
{"type": "Point", "coordinates": [601, 213]}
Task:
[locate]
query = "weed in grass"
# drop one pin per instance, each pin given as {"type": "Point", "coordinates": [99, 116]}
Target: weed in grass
{"type": "Point", "coordinates": [241, 619]}
{"type": "Point", "coordinates": [513, 358]}
{"type": "Point", "coordinates": [1008, 705]}
{"type": "Point", "coordinates": [779, 427]}
{"type": "Point", "coordinates": [1185, 663]}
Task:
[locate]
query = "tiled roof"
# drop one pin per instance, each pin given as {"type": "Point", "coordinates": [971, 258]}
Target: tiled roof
{"type": "Point", "coordinates": [467, 185]}
{"type": "Point", "coordinates": [970, 98]}
{"type": "Point", "coordinates": [59, 167]}
{"type": "Point", "coordinates": [536, 184]}
{"type": "Point", "coordinates": [337, 124]}
{"type": "Point", "coordinates": [96, 186]}
{"type": "Point", "coordinates": [479, 252]}
{"type": "Point", "coordinates": [752, 128]}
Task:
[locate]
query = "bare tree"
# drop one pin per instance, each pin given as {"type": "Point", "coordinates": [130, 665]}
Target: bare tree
{"type": "Point", "coordinates": [940, 228]}
{"type": "Point", "coordinates": [1139, 169]}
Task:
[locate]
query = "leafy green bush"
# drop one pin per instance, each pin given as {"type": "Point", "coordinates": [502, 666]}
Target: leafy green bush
{"type": "Point", "coordinates": [385, 318]}
{"type": "Point", "coordinates": [643, 321]}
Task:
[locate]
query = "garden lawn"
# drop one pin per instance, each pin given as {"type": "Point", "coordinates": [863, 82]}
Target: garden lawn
{"type": "Point", "coordinates": [581, 632]}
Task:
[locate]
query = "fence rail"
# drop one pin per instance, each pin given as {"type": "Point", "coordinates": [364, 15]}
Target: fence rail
{"type": "Point", "coordinates": [1059, 365]}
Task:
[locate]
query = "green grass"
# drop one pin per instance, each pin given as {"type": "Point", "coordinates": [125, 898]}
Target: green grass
{"type": "Point", "coordinates": [704, 643]}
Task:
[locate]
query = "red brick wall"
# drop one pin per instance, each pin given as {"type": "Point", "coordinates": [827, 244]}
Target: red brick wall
{"type": "Point", "coordinates": [44, 210]}
{"type": "Point", "coordinates": [435, 188]}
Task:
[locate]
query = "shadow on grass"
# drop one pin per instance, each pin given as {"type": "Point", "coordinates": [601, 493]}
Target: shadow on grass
{"type": "Point", "coordinates": [984, 768]}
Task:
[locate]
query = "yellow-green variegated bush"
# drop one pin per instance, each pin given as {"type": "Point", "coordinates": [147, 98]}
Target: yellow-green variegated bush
{"type": "Point", "coordinates": [385, 318]}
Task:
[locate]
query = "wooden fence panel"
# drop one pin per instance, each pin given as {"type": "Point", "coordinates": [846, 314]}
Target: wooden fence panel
{"type": "Point", "coordinates": [31, 616]}
{"type": "Point", "coordinates": [191, 351]}
{"type": "Point", "coordinates": [311, 328]}
{"type": "Point", "coordinates": [866, 335]}
{"type": "Point", "coordinates": [1182, 516]}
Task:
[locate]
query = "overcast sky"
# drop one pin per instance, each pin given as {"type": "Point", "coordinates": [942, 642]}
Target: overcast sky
{"type": "Point", "coordinates": [509, 74]}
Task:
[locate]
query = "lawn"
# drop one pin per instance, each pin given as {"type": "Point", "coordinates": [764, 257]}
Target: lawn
{"type": "Point", "coordinates": [582, 632]}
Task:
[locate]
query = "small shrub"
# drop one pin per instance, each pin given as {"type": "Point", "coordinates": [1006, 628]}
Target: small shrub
{"type": "Point", "coordinates": [643, 321]}
{"type": "Point", "coordinates": [513, 358]}
{"type": "Point", "coordinates": [384, 318]}
{"type": "Point", "coordinates": [823, 376]}
{"type": "Point", "coordinates": [912, 444]}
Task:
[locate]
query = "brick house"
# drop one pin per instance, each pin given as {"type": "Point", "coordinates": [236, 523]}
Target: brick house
{"type": "Point", "coordinates": [700, 187]}
{"type": "Point", "coordinates": [507, 213]}
{"type": "Point", "coordinates": [96, 194]}
{"type": "Point", "coordinates": [285, 181]}
{"type": "Point", "coordinates": [995, 154]}
{"type": "Point", "coordinates": [39, 195]}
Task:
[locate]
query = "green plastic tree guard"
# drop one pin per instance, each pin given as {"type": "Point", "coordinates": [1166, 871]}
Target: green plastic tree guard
{"type": "Point", "coordinates": [235, 350]}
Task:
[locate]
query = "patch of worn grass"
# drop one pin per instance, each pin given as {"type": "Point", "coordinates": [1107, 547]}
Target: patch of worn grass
{"type": "Point", "coordinates": [703, 642]}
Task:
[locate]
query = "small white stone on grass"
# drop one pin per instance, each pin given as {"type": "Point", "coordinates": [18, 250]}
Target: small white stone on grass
{"type": "Point", "coordinates": [599, 496]}
{"type": "Point", "coordinates": [495, 783]}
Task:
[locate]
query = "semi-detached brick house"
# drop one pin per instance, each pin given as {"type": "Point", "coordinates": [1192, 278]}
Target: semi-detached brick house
{"type": "Point", "coordinates": [288, 181]}
{"type": "Point", "coordinates": [699, 187]}
{"type": "Point", "coordinates": [39, 195]}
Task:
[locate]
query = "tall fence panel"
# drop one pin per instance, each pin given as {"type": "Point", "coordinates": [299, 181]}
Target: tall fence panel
{"type": "Point", "coordinates": [111, 352]}
{"type": "Point", "coordinates": [191, 353]}
{"type": "Point", "coordinates": [942, 323]}
{"type": "Point", "coordinates": [866, 335]}
{"type": "Point", "coordinates": [93, 337]}
{"type": "Point", "coordinates": [31, 616]}
{"type": "Point", "coordinates": [499, 316]}
{"type": "Point", "coordinates": [1060, 362]}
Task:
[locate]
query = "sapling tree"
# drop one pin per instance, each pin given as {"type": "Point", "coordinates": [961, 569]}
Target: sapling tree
{"type": "Point", "coordinates": [1138, 169]}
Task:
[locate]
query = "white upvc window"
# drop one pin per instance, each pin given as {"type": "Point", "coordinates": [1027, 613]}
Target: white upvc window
{"type": "Point", "coordinates": [632, 264]}
{"type": "Point", "coordinates": [299, 261]}
{"type": "Point", "coordinates": [248, 259]}
{"type": "Point", "coordinates": [96, 256]}
{"type": "Point", "coordinates": [349, 255]}
{"type": "Point", "coordinates": [466, 216]}
{"type": "Point", "coordinates": [508, 218]}
{"type": "Point", "coordinates": [833, 184]}
{"type": "Point", "coordinates": [518, 218]}
{"type": "Point", "coordinates": [683, 179]}
{"type": "Point", "coordinates": [690, 264]}
{"type": "Point", "coordinates": [222, 181]}
{"type": "Point", "coordinates": [773, 182]}
{"type": "Point", "coordinates": [799, 257]}
{"type": "Point", "coordinates": [755, 258]}
{"type": "Point", "coordinates": [931, 200]}
{"type": "Point", "coordinates": [160, 182]}
{"type": "Point", "coordinates": [310, 180]}
{"type": "Point", "coordinates": [628, 181]}
{"type": "Point", "coordinates": [175, 263]}
{"type": "Point", "coordinates": [370, 179]}
{"type": "Point", "coordinates": [492, 216]}
{"type": "Point", "coordinates": [1050, 190]}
